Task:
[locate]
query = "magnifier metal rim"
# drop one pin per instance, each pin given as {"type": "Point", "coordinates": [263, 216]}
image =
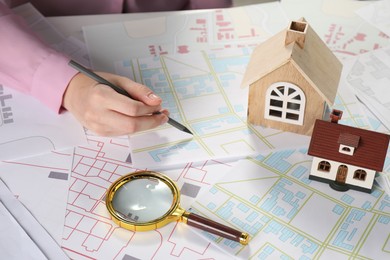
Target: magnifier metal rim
{"type": "Point", "coordinates": [173, 214]}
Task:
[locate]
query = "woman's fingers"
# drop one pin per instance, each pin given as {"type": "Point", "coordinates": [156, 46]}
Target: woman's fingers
{"type": "Point", "coordinates": [111, 123]}
{"type": "Point", "coordinates": [108, 113]}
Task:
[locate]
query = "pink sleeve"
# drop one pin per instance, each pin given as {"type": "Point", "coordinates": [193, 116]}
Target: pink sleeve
{"type": "Point", "coordinates": [29, 65]}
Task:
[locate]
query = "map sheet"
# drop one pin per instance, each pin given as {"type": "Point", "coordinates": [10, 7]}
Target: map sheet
{"type": "Point", "coordinates": [346, 33]}
{"type": "Point", "coordinates": [377, 14]}
{"type": "Point", "coordinates": [22, 236]}
{"type": "Point", "coordinates": [369, 76]}
{"type": "Point", "coordinates": [89, 232]}
{"type": "Point", "coordinates": [41, 183]}
{"type": "Point", "coordinates": [202, 90]}
{"type": "Point", "coordinates": [291, 217]}
{"type": "Point", "coordinates": [33, 131]}
{"type": "Point", "coordinates": [182, 32]}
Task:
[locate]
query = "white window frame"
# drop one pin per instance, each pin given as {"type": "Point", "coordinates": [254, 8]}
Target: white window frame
{"type": "Point", "coordinates": [345, 151]}
{"type": "Point", "coordinates": [285, 98]}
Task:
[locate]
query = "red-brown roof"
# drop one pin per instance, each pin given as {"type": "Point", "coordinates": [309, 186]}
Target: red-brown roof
{"type": "Point", "coordinates": [370, 152]}
{"type": "Point", "coordinates": [349, 139]}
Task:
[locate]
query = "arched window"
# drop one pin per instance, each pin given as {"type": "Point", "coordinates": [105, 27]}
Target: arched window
{"type": "Point", "coordinates": [360, 175]}
{"type": "Point", "coordinates": [285, 102]}
{"type": "Point", "coordinates": [346, 149]}
{"type": "Point", "coordinates": [323, 166]}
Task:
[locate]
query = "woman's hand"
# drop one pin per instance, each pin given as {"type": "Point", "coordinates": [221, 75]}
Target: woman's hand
{"type": "Point", "coordinates": [108, 113]}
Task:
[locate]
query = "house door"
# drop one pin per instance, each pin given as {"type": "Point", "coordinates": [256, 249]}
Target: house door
{"type": "Point", "coordinates": [342, 173]}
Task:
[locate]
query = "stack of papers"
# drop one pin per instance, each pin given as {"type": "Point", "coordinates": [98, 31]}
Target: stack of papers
{"type": "Point", "coordinates": [370, 72]}
{"type": "Point", "coordinates": [21, 236]}
{"type": "Point", "coordinates": [369, 76]}
{"type": "Point", "coordinates": [195, 58]}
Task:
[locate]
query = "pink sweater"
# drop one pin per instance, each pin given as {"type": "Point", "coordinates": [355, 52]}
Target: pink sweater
{"type": "Point", "coordinates": [30, 66]}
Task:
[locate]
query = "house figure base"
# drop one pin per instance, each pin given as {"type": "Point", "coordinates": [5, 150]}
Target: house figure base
{"type": "Point", "coordinates": [337, 186]}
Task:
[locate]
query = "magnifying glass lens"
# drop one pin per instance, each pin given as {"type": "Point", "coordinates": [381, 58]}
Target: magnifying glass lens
{"type": "Point", "coordinates": [143, 200]}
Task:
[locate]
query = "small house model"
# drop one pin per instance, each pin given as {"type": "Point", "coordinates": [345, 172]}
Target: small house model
{"type": "Point", "coordinates": [293, 78]}
{"type": "Point", "coordinates": [346, 157]}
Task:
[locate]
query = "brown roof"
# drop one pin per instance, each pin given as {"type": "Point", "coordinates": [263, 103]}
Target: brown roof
{"type": "Point", "coordinates": [349, 139]}
{"type": "Point", "coordinates": [370, 152]}
{"type": "Point", "coordinates": [316, 62]}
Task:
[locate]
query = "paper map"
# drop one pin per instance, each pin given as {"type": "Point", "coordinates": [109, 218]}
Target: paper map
{"type": "Point", "coordinates": [182, 33]}
{"type": "Point", "coordinates": [267, 195]}
{"type": "Point", "coordinates": [221, 72]}
{"type": "Point", "coordinates": [369, 75]}
{"type": "Point", "coordinates": [33, 131]}
{"type": "Point", "coordinates": [291, 217]}
{"type": "Point", "coordinates": [41, 183]}
{"type": "Point", "coordinates": [90, 233]}
{"type": "Point", "coordinates": [377, 14]}
{"type": "Point", "coordinates": [343, 31]}
{"type": "Point", "coordinates": [201, 89]}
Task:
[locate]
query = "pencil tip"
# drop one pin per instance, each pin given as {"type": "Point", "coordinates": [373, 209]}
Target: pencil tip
{"type": "Point", "coordinates": [179, 126]}
{"type": "Point", "coordinates": [185, 129]}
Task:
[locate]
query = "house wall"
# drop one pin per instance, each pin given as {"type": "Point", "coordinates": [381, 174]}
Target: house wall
{"type": "Point", "coordinates": [331, 175]}
{"type": "Point", "coordinates": [287, 72]}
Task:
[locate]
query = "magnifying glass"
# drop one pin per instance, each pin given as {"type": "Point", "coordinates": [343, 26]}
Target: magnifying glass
{"type": "Point", "coordinates": [148, 200]}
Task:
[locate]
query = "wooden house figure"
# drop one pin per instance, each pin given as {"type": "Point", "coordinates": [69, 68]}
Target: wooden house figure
{"type": "Point", "coordinates": [293, 78]}
{"type": "Point", "coordinates": [346, 157]}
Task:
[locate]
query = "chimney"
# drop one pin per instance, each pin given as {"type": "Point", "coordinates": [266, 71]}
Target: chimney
{"type": "Point", "coordinates": [335, 116]}
{"type": "Point", "coordinates": [296, 32]}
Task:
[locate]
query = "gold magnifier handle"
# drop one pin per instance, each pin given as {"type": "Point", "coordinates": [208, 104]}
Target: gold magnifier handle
{"type": "Point", "coordinates": [216, 228]}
